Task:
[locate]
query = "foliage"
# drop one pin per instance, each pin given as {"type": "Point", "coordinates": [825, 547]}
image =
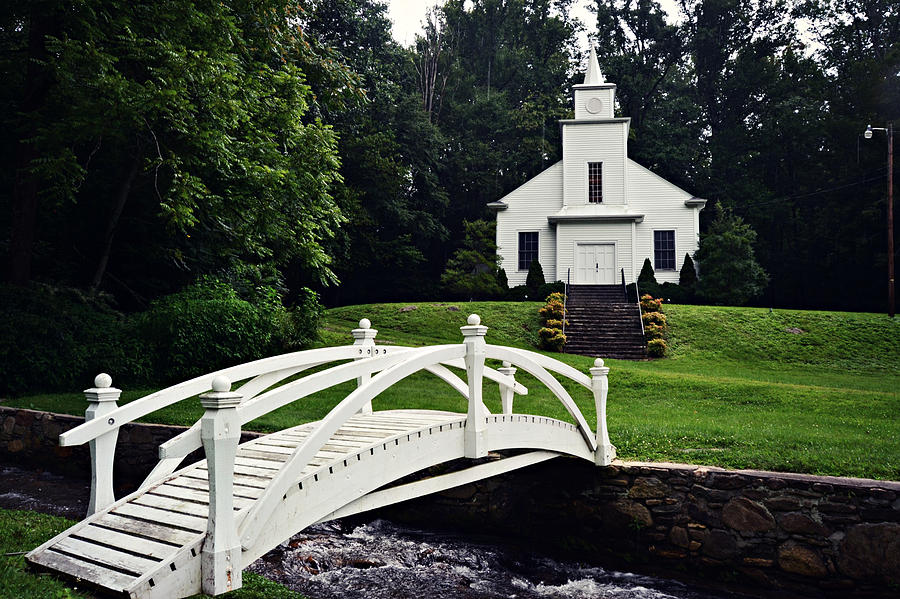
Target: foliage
{"type": "Point", "coordinates": [647, 276]}
{"type": "Point", "coordinates": [535, 278]}
{"type": "Point", "coordinates": [687, 278]}
{"type": "Point", "coordinates": [649, 304]}
{"type": "Point", "coordinates": [472, 270]}
{"type": "Point", "coordinates": [208, 326]}
{"type": "Point", "coordinates": [553, 314]}
{"type": "Point", "coordinates": [656, 348]}
{"type": "Point", "coordinates": [58, 338]}
{"type": "Point", "coordinates": [657, 318]}
{"type": "Point", "coordinates": [654, 331]}
{"type": "Point", "coordinates": [502, 281]}
{"type": "Point", "coordinates": [730, 273]}
{"type": "Point", "coordinates": [548, 288]}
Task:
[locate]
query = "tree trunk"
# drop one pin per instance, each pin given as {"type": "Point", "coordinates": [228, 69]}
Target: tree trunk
{"type": "Point", "coordinates": [121, 199]}
{"type": "Point", "coordinates": [25, 186]}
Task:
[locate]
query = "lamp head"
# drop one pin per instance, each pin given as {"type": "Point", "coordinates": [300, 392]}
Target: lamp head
{"type": "Point", "coordinates": [868, 133]}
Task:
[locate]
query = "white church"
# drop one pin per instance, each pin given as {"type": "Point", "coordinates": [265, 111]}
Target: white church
{"type": "Point", "coordinates": [596, 212]}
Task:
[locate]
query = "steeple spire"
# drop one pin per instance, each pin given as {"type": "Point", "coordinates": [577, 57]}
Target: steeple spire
{"type": "Point", "coordinates": [593, 76]}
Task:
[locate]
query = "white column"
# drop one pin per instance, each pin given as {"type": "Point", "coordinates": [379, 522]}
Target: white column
{"type": "Point", "coordinates": [606, 453]}
{"type": "Point", "coordinates": [102, 398]}
{"type": "Point", "coordinates": [364, 339]}
{"type": "Point", "coordinates": [507, 393]}
{"type": "Point", "coordinates": [220, 431]}
{"type": "Point", "coordinates": [476, 426]}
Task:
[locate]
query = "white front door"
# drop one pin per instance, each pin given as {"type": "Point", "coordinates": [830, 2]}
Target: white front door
{"type": "Point", "coordinates": [595, 263]}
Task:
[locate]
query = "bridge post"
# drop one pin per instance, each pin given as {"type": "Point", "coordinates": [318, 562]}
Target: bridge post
{"type": "Point", "coordinates": [606, 452]}
{"type": "Point", "coordinates": [102, 398]}
{"type": "Point", "coordinates": [220, 431]}
{"type": "Point", "coordinates": [507, 393]}
{"type": "Point", "coordinates": [476, 425]}
{"type": "Point", "coordinates": [364, 338]}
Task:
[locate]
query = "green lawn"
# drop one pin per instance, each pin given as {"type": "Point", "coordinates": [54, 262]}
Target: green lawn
{"type": "Point", "coordinates": [22, 531]}
{"type": "Point", "coordinates": [739, 389]}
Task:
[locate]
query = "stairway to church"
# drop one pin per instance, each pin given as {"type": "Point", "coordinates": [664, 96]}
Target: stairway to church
{"type": "Point", "coordinates": [603, 324]}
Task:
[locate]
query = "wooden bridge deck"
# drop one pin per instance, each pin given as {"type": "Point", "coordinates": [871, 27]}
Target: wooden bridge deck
{"type": "Point", "coordinates": [147, 537]}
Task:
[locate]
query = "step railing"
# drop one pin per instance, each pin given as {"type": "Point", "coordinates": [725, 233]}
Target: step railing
{"type": "Point", "coordinates": [566, 300]}
{"type": "Point", "coordinates": [637, 295]}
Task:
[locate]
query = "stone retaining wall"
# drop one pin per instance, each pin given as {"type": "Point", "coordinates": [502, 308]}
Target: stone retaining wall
{"type": "Point", "coordinates": [808, 535]}
{"type": "Point", "coordinates": [29, 437]}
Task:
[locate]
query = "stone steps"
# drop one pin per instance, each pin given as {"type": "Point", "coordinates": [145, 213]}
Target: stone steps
{"type": "Point", "coordinates": [602, 324]}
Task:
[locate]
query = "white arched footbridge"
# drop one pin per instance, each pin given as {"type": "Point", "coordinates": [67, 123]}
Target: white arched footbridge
{"type": "Point", "coordinates": [194, 529]}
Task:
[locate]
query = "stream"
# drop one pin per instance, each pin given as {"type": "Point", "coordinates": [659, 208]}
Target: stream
{"type": "Point", "coordinates": [383, 560]}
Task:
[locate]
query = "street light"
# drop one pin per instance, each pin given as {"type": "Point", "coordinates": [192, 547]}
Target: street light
{"type": "Point", "coordinates": [889, 131]}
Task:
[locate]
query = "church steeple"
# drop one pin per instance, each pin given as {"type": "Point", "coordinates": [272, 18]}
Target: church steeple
{"type": "Point", "coordinates": [593, 76]}
{"type": "Point", "coordinates": [595, 97]}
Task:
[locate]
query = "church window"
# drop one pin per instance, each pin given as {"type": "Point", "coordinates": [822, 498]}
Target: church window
{"type": "Point", "coordinates": [595, 182]}
{"type": "Point", "coordinates": [528, 249]}
{"type": "Point", "coordinates": [664, 250]}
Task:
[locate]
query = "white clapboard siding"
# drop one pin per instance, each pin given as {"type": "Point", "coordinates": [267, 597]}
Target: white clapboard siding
{"type": "Point", "coordinates": [619, 234]}
{"type": "Point", "coordinates": [594, 141]}
{"type": "Point", "coordinates": [663, 204]}
{"type": "Point", "coordinates": [527, 210]}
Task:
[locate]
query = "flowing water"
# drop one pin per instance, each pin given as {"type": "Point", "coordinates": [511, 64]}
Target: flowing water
{"type": "Point", "coordinates": [381, 560]}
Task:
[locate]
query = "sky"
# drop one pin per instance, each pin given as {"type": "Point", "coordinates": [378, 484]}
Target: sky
{"type": "Point", "coordinates": [407, 16]}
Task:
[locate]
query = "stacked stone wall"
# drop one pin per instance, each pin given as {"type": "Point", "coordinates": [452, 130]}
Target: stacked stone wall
{"type": "Point", "coordinates": [810, 536]}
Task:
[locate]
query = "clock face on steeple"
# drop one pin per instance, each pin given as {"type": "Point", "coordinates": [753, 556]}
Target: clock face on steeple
{"type": "Point", "coordinates": [593, 105]}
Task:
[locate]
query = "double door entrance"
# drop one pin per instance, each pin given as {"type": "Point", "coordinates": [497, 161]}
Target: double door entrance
{"type": "Point", "coordinates": [595, 263]}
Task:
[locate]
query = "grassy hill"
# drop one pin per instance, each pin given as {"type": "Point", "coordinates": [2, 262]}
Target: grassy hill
{"type": "Point", "coordinates": [803, 391]}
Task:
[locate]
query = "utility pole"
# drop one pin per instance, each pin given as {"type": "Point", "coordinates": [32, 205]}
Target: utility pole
{"type": "Point", "coordinates": [889, 131]}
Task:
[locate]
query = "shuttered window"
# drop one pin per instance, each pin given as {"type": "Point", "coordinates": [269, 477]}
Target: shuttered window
{"type": "Point", "coordinates": [595, 182]}
{"type": "Point", "coordinates": [664, 250]}
{"type": "Point", "coordinates": [528, 249]}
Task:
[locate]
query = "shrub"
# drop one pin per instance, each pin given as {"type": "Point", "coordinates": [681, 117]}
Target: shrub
{"type": "Point", "coordinates": [553, 310]}
{"type": "Point", "coordinates": [552, 339]}
{"type": "Point", "coordinates": [657, 318]}
{"type": "Point", "coordinates": [207, 326]}
{"type": "Point", "coordinates": [556, 324]}
{"type": "Point", "coordinates": [647, 275]}
{"type": "Point", "coordinates": [471, 272]}
{"type": "Point", "coordinates": [654, 331]}
{"type": "Point", "coordinates": [535, 276]}
{"type": "Point", "coordinates": [519, 293]}
{"type": "Point", "coordinates": [649, 304]}
{"type": "Point", "coordinates": [59, 339]}
{"type": "Point", "coordinates": [687, 277]}
{"type": "Point", "coordinates": [502, 281]}
{"type": "Point", "coordinates": [730, 274]}
{"type": "Point", "coordinates": [548, 288]}
{"type": "Point", "coordinates": [656, 348]}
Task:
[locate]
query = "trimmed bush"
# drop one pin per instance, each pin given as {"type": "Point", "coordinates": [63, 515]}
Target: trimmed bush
{"type": "Point", "coordinates": [654, 331]}
{"type": "Point", "coordinates": [649, 304]}
{"type": "Point", "coordinates": [548, 288]}
{"type": "Point", "coordinates": [502, 281]}
{"type": "Point", "coordinates": [553, 314]}
{"type": "Point", "coordinates": [552, 339]}
{"type": "Point", "coordinates": [657, 318]}
{"type": "Point", "coordinates": [687, 277]}
{"type": "Point", "coordinates": [59, 339]}
{"type": "Point", "coordinates": [656, 348]}
{"type": "Point", "coordinates": [535, 276]}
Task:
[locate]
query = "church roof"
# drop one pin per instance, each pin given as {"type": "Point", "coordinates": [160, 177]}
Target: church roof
{"type": "Point", "coordinates": [593, 76]}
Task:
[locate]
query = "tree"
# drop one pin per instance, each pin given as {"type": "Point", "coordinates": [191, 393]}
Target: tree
{"type": "Point", "coordinates": [188, 124]}
{"type": "Point", "coordinates": [729, 272]}
{"type": "Point", "coordinates": [687, 277]}
{"type": "Point", "coordinates": [472, 270]}
{"type": "Point", "coordinates": [647, 276]}
{"type": "Point", "coordinates": [535, 277]}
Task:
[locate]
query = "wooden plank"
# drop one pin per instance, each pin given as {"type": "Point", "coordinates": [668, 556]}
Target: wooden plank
{"type": "Point", "coordinates": [111, 579]}
{"type": "Point", "coordinates": [263, 454]}
{"type": "Point", "coordinates": [174, 505]}
{"type": "Point", "coordinates": [126, 542]}
{"type": "Point", "coordinates": [242, 479]}
{"type": "Point", "coordinates": [264, 474]}
{"type": "Point", "coordinates": [106, 556]}
{"type": "Point", "coordinates": [261, 464]}
{"type": "Point", "coordinates": [158, 531]}
{"type": "Point", "coordinates": [203, 485]}
{"type": "Point", "coordinates": [154, 514]}
{"type": "Point", "coordinates": [268, 447]}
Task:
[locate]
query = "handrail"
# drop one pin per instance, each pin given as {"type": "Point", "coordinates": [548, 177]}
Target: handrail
{"type": "Point", "coordinates": [566, 299]}
{"type": "Point", "coordinates": [624, 287]}
{"type": "Point", "coordinates": [637, 295]}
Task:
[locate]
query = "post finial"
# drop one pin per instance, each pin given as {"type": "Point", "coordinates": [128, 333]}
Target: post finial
{"type": "Point", "coordinates": [221, 384]}
{"type": "Point", "coordinates": [365, 323]}
{"type": "Point", "coordinates": [102, 381]}
{"type": "Point", "coordinates": [473, 320]}
{"type": "Point", "coordinates": [598, 363]}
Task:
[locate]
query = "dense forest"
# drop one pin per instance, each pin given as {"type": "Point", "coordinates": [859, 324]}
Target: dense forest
{"type": "Point", "coordinates": [296, 144]}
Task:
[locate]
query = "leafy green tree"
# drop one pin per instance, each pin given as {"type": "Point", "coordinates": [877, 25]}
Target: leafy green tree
{"type": "Point", "coordinates": [472, 270]}
{"type": "Point", "coordinates": [729, 272]}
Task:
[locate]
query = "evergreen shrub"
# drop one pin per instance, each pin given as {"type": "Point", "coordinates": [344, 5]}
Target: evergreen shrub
{"type": "Point", "coordinates": [535, 276]}
{"type": "Point", "coordinates": [552, 339]}
{"type": "Point", "coordinates": [656, 348]}
{"type": "Point", "coordinates": [553, 314]}
{"type": "Point", "coordinates": [657, 318]}
{"type": "Point", "coordinates": [649, 304]}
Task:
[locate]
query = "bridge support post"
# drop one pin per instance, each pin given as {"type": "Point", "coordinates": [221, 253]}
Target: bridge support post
{"type": "Point", "coordinates": [606, 452]}
{"type": "Point", "coordinates": [220, 431]}
{"type": "Point", "coordinates": [476, 425]}
{"type": "Point", "coordinates": [364, 338]}
{"type": "Point", "coordinates": [507, 393]}
{"type": "Point", "coordinates": [102, 398]}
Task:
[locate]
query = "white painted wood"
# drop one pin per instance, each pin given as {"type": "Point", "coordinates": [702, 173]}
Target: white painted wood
{"type": "Point", "coordinates": [112, 579]}
{"type": "Point", "coordinates": [476, 428]}
{"type": "Point", "coordinates": [506, 393]}
{"type": "Point", "coordinates": [364, 340]}
{"type": "Point", "coordinates": [605, 453]}
{"type": "Point", "coordinates": [419, 359]}
{"type": "Point", "coordinates": [87, 551]}
{"type": "Point", "coordinates": [595, 263]}
{"type": "Point", "coordinates": [127, 542]}
{"type": "Point", "coordinates": [220, 430]}
{"type": "Point", "coordinates": [546, 362]}
{"type": "Point", "coordinates": [436, 484]}
{"type": "Point", "coordinates": [102, 398]}
{"type": "Point", "coordinates": [158, 531]}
